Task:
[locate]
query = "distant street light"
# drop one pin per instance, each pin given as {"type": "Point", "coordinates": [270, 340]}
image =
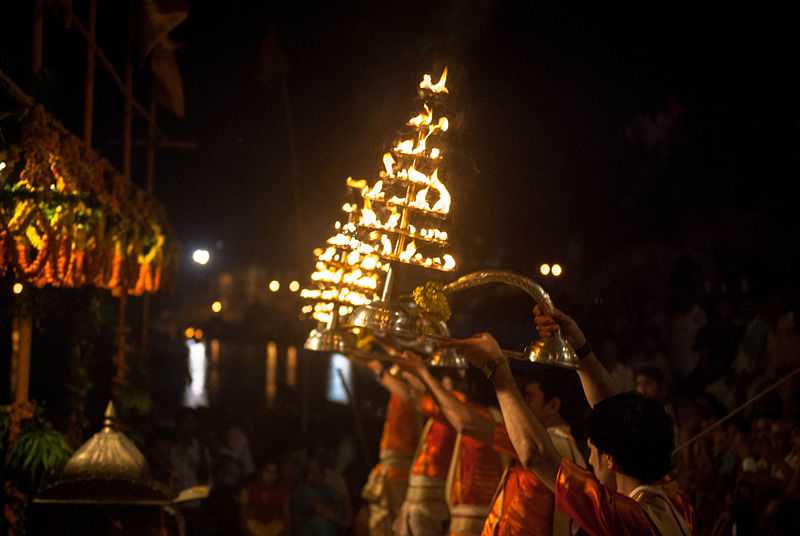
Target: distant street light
{"type": "Point", "coordinates": [216, 306]}
{"type": "Point", "coordinates": [556, 270]}
{"type": "Point", "coordinates": [274, 286]}
{"type": "Point", "coordinates": [294, 286]}
{"type": "Point", "coordinates": [17, 288]}
{"type": "Point", "coordinates": [544, 269]}
{"type": "Point", "coordinates": [201, 256]}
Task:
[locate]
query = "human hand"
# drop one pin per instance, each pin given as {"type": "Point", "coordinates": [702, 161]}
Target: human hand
{"type": "Point", "coordinates": [413, 381]}
{"type": "Point", "coordinates": [410, 360]}
{"type": "Point", "coordinates": [375, 366]}
{"type": "Point", "coordinates": [548, 325]}
{"type": "Point", "coordinates": [479, 350]}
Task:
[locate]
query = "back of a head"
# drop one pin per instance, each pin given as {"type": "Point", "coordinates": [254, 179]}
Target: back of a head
{"type": "Point", "coordinates": [637, 432]}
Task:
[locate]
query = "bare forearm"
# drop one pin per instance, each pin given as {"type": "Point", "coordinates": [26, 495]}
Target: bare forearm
{"type": "Point", "coordinates": [529, 437]}
{"type": "Point", "coordinates": [460, 416]}
{"type": "Point", "coordinates": [596, 381]}
{"type": "Point", "coordinates": [397, 386]}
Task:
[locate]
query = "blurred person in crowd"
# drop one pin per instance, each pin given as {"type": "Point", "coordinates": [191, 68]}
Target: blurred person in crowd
{"type": "Point", "coordinates": [621, 373]}
{"type": "Point", "coordinates": [264, 503]}
{"type": "Point", "coordinates": [189, 457]}
{"type": "Point", "coordinates": [236, 448]}
{"type": "Point", "coordinates": [650, 383]}
{"type": "Point", "coordinates": [222, 508]}
{"type": "Point", "coordinates": [686, 325]}
{"type": "Point", "coordinates": [335, 482]}
{"type": "Point", "coordinates": [317, 509]}
{"type": "Point", "coordinates": [387, 483]}
{"type": "Point", "coordinates": [424, 511]}
{"type": "Point", "coordinates": [782, 517]}
{"type": "Point", "coordinates": [191, 465]}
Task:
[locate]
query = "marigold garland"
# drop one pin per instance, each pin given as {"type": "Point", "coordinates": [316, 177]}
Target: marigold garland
{"type": "Point", "coordinates": [68, 219]}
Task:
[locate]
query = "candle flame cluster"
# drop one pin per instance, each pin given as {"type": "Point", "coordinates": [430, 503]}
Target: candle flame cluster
{"type": "Point", "coordinates": [396, 220]}
{"type": "Point", "coordinates": [404, 206]}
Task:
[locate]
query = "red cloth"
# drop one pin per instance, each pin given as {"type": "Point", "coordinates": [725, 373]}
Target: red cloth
{"type": "Point", "coordinates": [436, 450]}
{"type": "Point", "coordinates": [526, 506]}
{"type": "Point", "coordinates": [265, 504]}
{"type": "Point", "coordinates": [478, 472]}
{"type": "Point", "coordinates": [401, 427]}
{"type": "Point", "coordinates": [600, 511]}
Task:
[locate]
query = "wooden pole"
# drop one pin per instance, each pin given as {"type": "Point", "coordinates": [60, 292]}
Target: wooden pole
{"type": "Point", "coordinates": [151, 180]}
{"type": "Point", "coordinates": [107, 65]}
{"type": "Point", "coordinates": [127, 146]}
{"type": "Point", "coordinates": [21, 339]}
{"type": "Point", "coordinates": [88, 88]}
{"type": "Point", "coordinates": [38, 36]}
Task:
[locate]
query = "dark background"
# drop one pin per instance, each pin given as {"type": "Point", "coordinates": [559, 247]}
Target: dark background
{"type": "Point", "coordinates": [643, 147]}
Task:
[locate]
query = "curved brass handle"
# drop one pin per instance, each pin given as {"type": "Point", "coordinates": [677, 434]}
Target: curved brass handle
{"type": "Point", "coordinates": [554, 351]}
{"type": "Point", "coordinates": [484, 277]}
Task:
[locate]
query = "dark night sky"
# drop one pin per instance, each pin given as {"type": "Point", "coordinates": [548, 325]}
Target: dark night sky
{"type": "Point", "coordinates": [547, 92]}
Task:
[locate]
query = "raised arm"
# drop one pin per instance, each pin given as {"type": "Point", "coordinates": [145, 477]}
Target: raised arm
{"type": "Point", "coordinates": [393, 382]}
{"type": "Point", "coordinates": [595, 379]}
{"type": "Point", "coordinates": [531, 441]}
{"type": "Point", "coordinates": [460, 415]}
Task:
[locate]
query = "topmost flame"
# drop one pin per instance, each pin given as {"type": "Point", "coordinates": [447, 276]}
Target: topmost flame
{"type": "Point", "coordinates": [438, 87]}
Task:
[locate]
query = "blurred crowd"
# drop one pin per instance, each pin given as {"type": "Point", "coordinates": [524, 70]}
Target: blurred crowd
{"type": "Point", "coordinates": [704, 358]}
{"type": "Point", "coordinates": [280, 490]}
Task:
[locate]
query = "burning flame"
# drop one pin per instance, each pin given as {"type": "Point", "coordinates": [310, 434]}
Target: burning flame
{"type": "Point", "coordinates": [391, 223]}
{"type": "Point", "coordinates": [376, 192]}
{"type": "Point", "coordinates": [435, 153]}
{"type": "Point", "coordinates": [418, 177]}
{"type": "Point", "coordinates": [327, 255]}
{"type": "Point", "coordinates": [408, 253]}
{"type": "Point", "coordinates": [421, 119]}
{"type": "Point", "coordinates": [388, 164]}
{"type": "Point", "coordinates": [421, 201]}
{"type": "Point", "coordinates": [438, 87]}
{"type": "Point", "coordinates": [353, 258]}
{"type": "Point", "coordinates": [368, 217]}
{"type": "Point", "coordinates": [407, 146]}
{"type": "Point", "coordinates": [356, 184]}
{"type": "Point", "coordinates": [443, 204]}
{"type": "Point", "coordinates": [370, 262]}
{"type": "Point", "coordinates": [387, 245]}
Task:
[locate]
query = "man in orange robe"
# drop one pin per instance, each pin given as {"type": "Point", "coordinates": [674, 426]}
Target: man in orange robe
{"type": "Point", "coordinates": [484, 501]}
{"type": "Point", "coordinates": [386, 486]}
{"type": "Point", "coordinates": [630, 439]}
{"type": "Point", "coordinates": [425, 511]}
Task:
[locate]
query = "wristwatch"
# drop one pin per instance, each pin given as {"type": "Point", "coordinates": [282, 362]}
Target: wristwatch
{"type": "Point", "coordinates": [584, 350]}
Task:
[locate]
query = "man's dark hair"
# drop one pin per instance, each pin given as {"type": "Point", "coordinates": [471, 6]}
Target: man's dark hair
{"type": "Point", "coordinates": [555, 382]}
{"type": "Point", "coordinates": [637, 432]}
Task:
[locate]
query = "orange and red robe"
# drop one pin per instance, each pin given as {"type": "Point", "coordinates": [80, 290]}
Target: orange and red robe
{"type": "Point", "coordinates": [475, 472]}
{"type": "Point", "coordinates": [386, 486]}
{"type": "Point", "coordinates": [436, 446]}
{"type": "Point", "coordinates": [523, 504]}
{"type": "Point", "coordinates": [602, 512]}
